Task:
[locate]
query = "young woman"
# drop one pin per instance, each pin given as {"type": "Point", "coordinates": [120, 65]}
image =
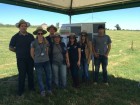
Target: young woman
{"type": "Point", "coordinates": [39, 52]}
{"type": "Point", "coordinates": [74, 52]}
{"type": "Point", "coordinates": [86, 52]}
{"type": "Point", "coordinates": [59, 57]}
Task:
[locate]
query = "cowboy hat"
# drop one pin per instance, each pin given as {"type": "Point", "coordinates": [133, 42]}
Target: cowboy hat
{"type": "Point", "coordinates": [52, 26]}
{"type": "Point", "coordinates": [22, 22]}
{"type": "Point", "coordinates": [83, 33]}
{"type": "Point", "coordinates": [57, 35]}
{"type": "Point", "coordinates": [72, 35]}
{"type": "Point", "coordinates": [39, 29]}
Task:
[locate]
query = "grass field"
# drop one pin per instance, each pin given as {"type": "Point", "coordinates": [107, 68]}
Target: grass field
{"type": "Point", "coordinates": [123, 70]}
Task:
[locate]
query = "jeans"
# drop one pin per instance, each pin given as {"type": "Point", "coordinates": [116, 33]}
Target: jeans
{"type": "Point", "coordinates": [59, 74]}
{"type": "Point", "coordinates": [25, 66]}
{"type": "Point", "coordinates": [84, 68]}
{"type": "Point", "coordinates": [104, 61]}
{"type": "Point", "coordinates": [40, 68]}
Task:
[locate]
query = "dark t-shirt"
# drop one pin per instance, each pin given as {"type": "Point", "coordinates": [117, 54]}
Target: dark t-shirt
{"type": "Point", "coordinates": [21, 43]}
{"type": "Point", "coordinates": [73, 52]}
{"type": "Point", "coordinates": [100, 44]}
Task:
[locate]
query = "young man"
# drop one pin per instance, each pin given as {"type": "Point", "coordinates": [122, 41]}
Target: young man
{"type": "Point", "coordinates": [101, 49]}
{"type": "Point", "coordinates": [52, 30]}
{"type": "Point", "coordinates": [20, 44]}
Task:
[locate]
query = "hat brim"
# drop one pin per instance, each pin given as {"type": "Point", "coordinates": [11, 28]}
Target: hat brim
{"type": "Point", "coordinates": [28, 24]}
{"type": "Point", "coordinates": [72, 36]}
{"type": "Point", "coordinates": [36, 31]}
{"type": "Point", "coordinates": [57, 36]}
{"type": "Point", "coordinates": [83, 33]}
{"type": "Point", "coordinates": [48, 29]}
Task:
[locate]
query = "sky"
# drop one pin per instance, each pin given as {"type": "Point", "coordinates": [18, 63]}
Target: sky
{"type": "Point", "coordinates": [126, 18]}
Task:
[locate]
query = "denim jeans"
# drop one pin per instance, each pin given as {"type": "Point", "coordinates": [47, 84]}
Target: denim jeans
{"type": "Point", "coordinates": [40, 68]}
{"type": "Point", "coordinates": [84, 68]}
{"type": "Point", "coordinates": [104, 61]}
{"type": "Point", "coordinates": [25, 67]}
{"type": "Point", "coordinates": [59, 74]}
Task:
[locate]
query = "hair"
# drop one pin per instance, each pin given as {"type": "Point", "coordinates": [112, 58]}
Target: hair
{"type": "Point", "coordinates": [85, 42]}
{"type": "Point", "coordinates": [75, 41]}
{"type": "Point", "coordinates": [44, 40]}
{"type": "Point", "coordinates": [60, 40]}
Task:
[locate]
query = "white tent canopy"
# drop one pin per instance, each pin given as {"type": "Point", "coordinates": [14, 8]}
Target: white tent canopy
{"type": "Point", "coordinates": [73, 7]}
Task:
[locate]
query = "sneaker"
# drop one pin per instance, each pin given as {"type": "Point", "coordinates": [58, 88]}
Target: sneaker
{"type": "Point", "coordinates": [43, 93]}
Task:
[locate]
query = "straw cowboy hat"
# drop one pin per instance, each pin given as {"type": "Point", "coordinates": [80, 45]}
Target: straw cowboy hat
{"type": "Point", "coordinates": [57, 35]}
{"type": "Point", "coordinates": [52, 26]}
{"type": "Point", "coordinates": [72, 35]}
{"type": "Point", "coordinates": [22, 22]}
{"type": "Point", "coordinates": [83, 33]}
{"type": "Point", "coordinates": [39, 29]}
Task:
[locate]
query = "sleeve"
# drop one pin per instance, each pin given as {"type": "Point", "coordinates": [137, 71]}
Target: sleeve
{"type": "Point", "coordinates": [12, 43]}
{"type": "Point", "coordinates": [109, 40]}
{"type": "Point", "coordinates": [33, 44]}
{"type": "Point", "coordinates": [78, 45]}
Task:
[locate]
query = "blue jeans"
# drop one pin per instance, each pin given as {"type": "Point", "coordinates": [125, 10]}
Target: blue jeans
{"type": "Point", "coordinates": [59, 74]}
{"type": "Point", "coordinates": [40, 68]}
{"type": "Point", "coordinates": [84, 68]}
{"type": "Point", "coordinates": [104, 61]}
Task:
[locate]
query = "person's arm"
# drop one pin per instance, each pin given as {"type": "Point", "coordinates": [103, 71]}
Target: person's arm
{"type": "Point", "coordinates": [12, 49]}
{"type": "Point", "coordinates": [32, 53]}
{"type": "Point", "coordinates": [90, 52]}
{"type": "Point", "coordinates": [94, 52]}
{"type": "Point", "coordinates": [108, 50]}
{"type": "Point", "coordinates": [108, 46]}
{"type": "Point", "coordinates": [32, 50]}
{"type": "Point", "coordinates": [67, 59]}
{"type": "Point", "coordinates": [79, 57]}
{"type": "Point", "coordinates": [12, 44]}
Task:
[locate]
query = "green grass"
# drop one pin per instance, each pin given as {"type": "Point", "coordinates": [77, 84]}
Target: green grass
{"type": "Point", "coordinates": [123, 69]}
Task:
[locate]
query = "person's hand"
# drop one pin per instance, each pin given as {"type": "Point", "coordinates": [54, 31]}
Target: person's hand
{"type": "Point", "coordinates": [78, 63]}
{"type": "Point", "coordinates": [106, 55]}
{"type": "Point", "coordinates": [96, 55]}
{"type": "Point", "coordinates": [68, 64]}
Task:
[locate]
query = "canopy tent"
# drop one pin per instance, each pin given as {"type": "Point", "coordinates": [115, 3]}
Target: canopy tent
{"type": "Point", "coordinates": [74, 7]}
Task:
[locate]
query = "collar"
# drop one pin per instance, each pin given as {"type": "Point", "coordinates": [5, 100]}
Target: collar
{"type": "Point", "coordinates": [22, 34]}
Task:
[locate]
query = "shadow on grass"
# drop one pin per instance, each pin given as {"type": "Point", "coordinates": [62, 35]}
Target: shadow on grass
{"type": "Point", "coordinates": [120, 91]}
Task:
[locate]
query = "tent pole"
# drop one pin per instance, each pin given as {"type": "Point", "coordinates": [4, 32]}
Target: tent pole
{"type": "Point", "coordinates": [70, 19]}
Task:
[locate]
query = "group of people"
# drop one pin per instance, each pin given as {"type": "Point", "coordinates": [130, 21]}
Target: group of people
{"type": "Point", "coordinates": [50, 56]}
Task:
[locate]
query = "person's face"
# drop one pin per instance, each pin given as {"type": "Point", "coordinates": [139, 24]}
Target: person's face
{"type": "Point", "coordinates": [40, 34]}
{"type": "Point", "coordinates": [101, 31]}
{"type": "Point", "coordinates": [52, 30]}
{"type": "Point", "coordinates": [57, 39]}
{"type": "Point", "coordinates": [72, 39]}
{"type": "Point", "coordinates": [23, 27]}
{"type": "Point", "coordinates": [83, 37]}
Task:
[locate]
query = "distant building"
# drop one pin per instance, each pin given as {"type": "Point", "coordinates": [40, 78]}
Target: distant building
{"type": "Point", "coordinates": [44, 26]}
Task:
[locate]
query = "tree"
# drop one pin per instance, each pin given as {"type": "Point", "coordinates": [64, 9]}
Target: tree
{"type": "Point", "coordinates": [118, 27]}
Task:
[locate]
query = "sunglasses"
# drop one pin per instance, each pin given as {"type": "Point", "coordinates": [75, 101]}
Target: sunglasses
{"type": "Point", "coordinates": [39, 33]}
